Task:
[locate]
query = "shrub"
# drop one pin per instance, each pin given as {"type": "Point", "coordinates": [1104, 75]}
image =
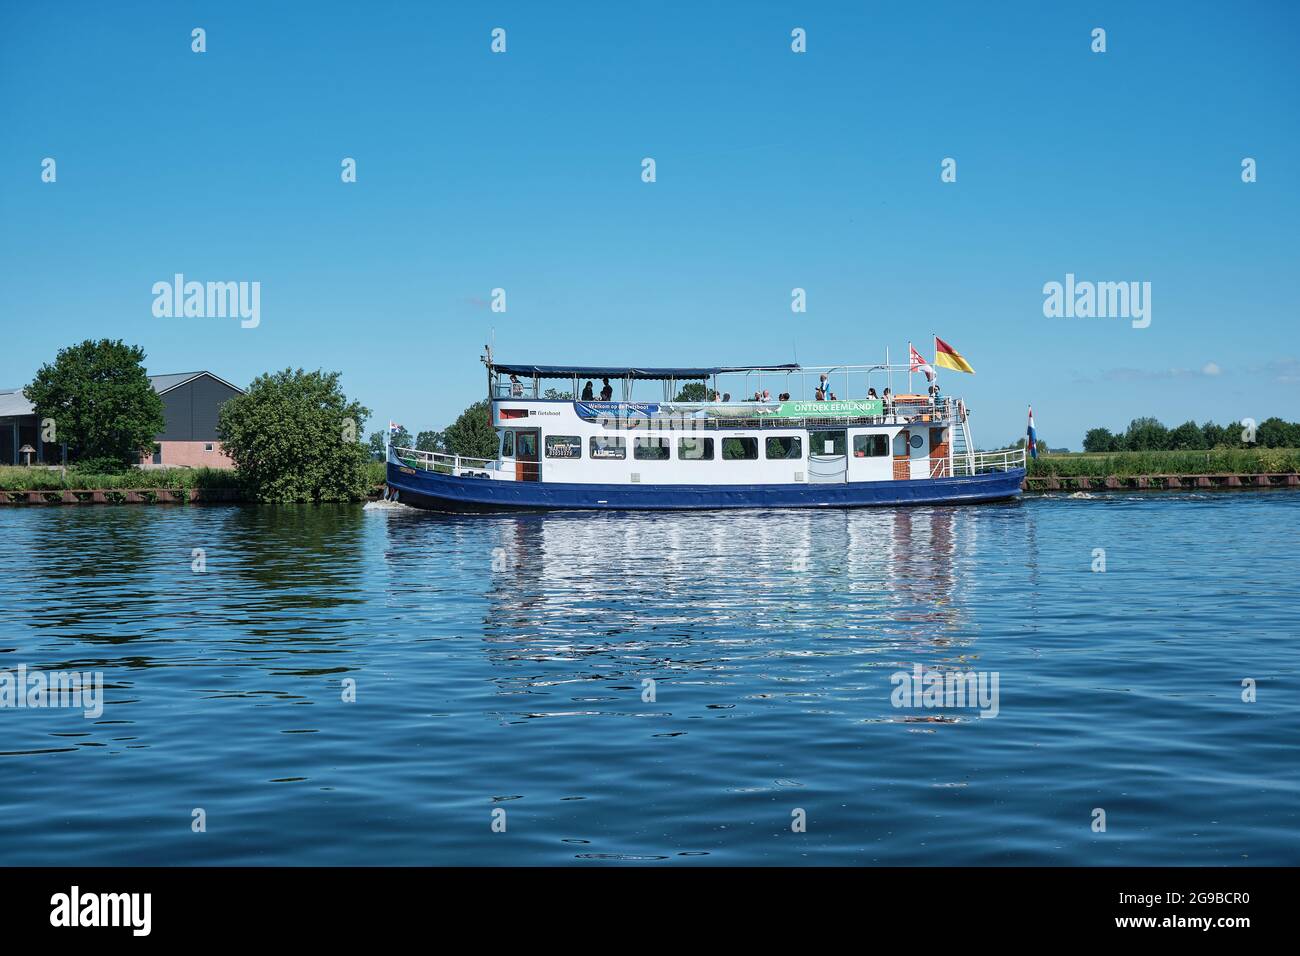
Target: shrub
{"type": "Point", "coordinates": [294, 436]}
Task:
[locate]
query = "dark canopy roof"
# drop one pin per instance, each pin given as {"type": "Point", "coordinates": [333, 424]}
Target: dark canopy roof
{"type": "Point", "coordinates": [598, 371]}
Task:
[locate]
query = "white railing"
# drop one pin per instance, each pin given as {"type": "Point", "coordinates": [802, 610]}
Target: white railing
{"type": "Point", "coordinates": [440, 461]}
{"type": "Point", "coordinates": [982, 462]}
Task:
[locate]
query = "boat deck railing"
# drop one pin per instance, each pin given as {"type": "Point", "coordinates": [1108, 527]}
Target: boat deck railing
{"type": "Point", "coordinates": [983, 462]}
{"type": "Point", "coordinates": [444, 463]}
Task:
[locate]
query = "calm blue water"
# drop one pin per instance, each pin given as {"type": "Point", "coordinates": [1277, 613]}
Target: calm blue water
{"type": "Point", "coordinates": [521, 688]}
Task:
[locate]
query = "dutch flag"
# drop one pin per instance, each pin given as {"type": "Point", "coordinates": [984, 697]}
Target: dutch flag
{"type": "Point", "coordinates": [1032, 434]}
{"type": "Point", "coordinates": [393, 426]}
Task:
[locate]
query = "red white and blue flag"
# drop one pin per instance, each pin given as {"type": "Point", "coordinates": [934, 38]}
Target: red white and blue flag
{"type": "Point", "coordinates": [1032, 434]}
{"type": "Point", "coordinates": [393, 426]}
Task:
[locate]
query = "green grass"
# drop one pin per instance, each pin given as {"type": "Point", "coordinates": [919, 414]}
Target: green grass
{"type": "Point", "coordinates": [43, 479]}
{"type": "Point", "coordinates": [1220, 461]}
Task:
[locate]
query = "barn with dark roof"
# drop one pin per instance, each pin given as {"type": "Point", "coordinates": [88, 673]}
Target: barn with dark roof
{"type": "Point", "coordinates": [191, 404]}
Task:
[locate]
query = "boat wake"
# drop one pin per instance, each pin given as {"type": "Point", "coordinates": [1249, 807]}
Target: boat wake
{"type": "Point", "coordinates": [385, 505]}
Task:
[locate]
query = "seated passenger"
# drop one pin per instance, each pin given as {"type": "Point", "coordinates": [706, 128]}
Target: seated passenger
{"type": "Point", "coordinates": [783, 397]}
{"type": "Point", "coordinates": [607, 391]}
{"type": "Point", "coordinates": [587, 393]}
{"type": "Point", "coordinates": [767, 395]}
{"type": "Point", "coordinates": [726, 396]}
{"type": "Point", "coordinates": [819, 395]}
{"type": "Point", "coordinates": [516, 387]}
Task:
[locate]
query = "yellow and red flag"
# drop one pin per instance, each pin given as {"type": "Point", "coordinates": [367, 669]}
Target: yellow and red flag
{"type": "Point", "coordinates": [945, 356]}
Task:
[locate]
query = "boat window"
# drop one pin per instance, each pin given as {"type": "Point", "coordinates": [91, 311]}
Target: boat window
{"type": "Point", "coordinates": [526, 445]}
{"type": "Point", "coordinates": [650, 449]}
{"type": "Point", "coordinates": [739, 449]}
{"type": "Point", "coordinates": [827, 442]}
{"type": "Point", "coordinates": [608, 446]}
{"type": "Point", "coordinates": [695, 449]}
{"type": "Point", "coordinates": [507, 444]}
{"type": "Point", "coordinates": [785, 446]}
{"type": "Point", "coordinates": [563, 446]}
{"type": "Point", "coordinates": [870, 446]}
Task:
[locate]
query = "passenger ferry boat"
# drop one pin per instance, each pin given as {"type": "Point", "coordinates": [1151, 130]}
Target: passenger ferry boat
{"type": "Point", "coordinates": [709, 451]}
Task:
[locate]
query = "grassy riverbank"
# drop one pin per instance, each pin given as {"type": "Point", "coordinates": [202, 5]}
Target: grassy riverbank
{"type": "Point", "coordinates": [1219, 461]}
{"type": "Point", "coordinates": [51, 479]}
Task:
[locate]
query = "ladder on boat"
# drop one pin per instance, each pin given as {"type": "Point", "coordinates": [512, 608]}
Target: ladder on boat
{"type": "Point", "coordinates": [962, 450]}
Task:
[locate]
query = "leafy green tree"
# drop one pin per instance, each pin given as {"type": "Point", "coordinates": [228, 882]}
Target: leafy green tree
{"type": "Point", "coordinates": [430, 441]}
{"type": "Point", "coordinates": [693, 392]}
{"type": "Point", "coordinates": [1275, 433]}
{"type": "Point", "coordinates": [101, 401]}
{"type": "Point", "coordinates": [472, 434]}
{"type": "Point", "coordinates": [1146, 434]}
{"type": "Point", "coordinates": [557, 396]}
{"type": "Point", "coordinates": [1100, 440]}
{"type": "Point", "coordinates": [294, 437]}
{"type": "Point", "coordinates": [1187, 437]}
{"type": "Point", "coordinates": [1215, 435]}
{"type": "Point", "coordinates": [398, 439]}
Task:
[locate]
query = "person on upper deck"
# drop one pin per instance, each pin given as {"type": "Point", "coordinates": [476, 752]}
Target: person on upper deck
{"type": "Point", "coordinates": [726, 396]}
{"type": "Point", "coordinates": [606, 391]}
{"type": "Point", "coordinates": [871, 394]}
{"type": "Point", "coordinates": [888, 399]}
{"type": "Point", "coordinates": [767, 395]}
{"type": "Point", "coordinates": [819, 395]}
{"type": "Point", "coordinates": [516, 387]}
{"type": "Point", "coordinates": [783, 397]}
{"type": "Point", "coordinates": [587, 393]}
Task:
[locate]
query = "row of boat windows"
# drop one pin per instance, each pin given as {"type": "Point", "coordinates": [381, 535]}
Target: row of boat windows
{"type": "Point", "coordinates": [699, 448]}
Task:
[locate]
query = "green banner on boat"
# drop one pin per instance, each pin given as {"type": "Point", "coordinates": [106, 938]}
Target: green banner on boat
{"type": "Point", "coordinates": [853, 408]}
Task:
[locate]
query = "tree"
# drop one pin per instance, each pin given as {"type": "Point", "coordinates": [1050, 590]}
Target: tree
{"type": "Point", "coordinates": [1146, 434]}
{"type": "Point", "coordinates": [294, 437]}
{"type": "Point", "coordinates": [1100, 440]}
{"type": "Point", "coordinates": [1215, 435]}
{"type": "Point", "coordinates": [556, 396]}
{"type": "Point", "coordinates": [472, 434]}
{"type": "Point", "coordinates": [1187, 437]}
{"type": "Point", "coordinates": [100, 399]}
{"type": "Point", "coordinates": [693, 392]}
{"type": "Point", "coordinates": [1276, 433]}
{"type": "Point", "coordinates": [430, 441]}
{"type": "Point", "coordinates": [398, 439]}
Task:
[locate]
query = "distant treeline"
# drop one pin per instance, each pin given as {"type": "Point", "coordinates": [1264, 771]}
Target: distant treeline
{"type": "Point", "coordinates": [1148, 434]}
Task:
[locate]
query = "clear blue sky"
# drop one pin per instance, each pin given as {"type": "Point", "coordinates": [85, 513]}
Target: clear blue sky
{"type": "Point", "coordinates": [775, 170]}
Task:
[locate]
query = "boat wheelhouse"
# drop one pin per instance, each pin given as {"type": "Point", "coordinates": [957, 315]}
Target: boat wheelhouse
{"type": "Point", "coordinates": [696, 446]}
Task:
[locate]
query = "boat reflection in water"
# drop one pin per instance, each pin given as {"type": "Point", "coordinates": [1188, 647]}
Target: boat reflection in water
{"type": "Point", "coordinates": [798, 605]}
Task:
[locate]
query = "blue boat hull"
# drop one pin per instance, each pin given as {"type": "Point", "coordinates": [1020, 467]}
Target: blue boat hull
{"type": "Point", "coordinates": [440, 492]}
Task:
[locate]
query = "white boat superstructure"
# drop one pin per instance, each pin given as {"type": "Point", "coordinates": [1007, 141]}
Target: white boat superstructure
{"type": "Point", "coordinates": [698, 444]}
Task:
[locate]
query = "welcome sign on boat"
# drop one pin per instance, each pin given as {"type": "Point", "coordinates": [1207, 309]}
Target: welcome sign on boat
{"type": "Point", "coordinates": [698, 447]}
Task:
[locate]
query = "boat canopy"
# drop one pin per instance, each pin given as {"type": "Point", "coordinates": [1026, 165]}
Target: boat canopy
{"type": "Point", "coordinates": [628, 372]}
